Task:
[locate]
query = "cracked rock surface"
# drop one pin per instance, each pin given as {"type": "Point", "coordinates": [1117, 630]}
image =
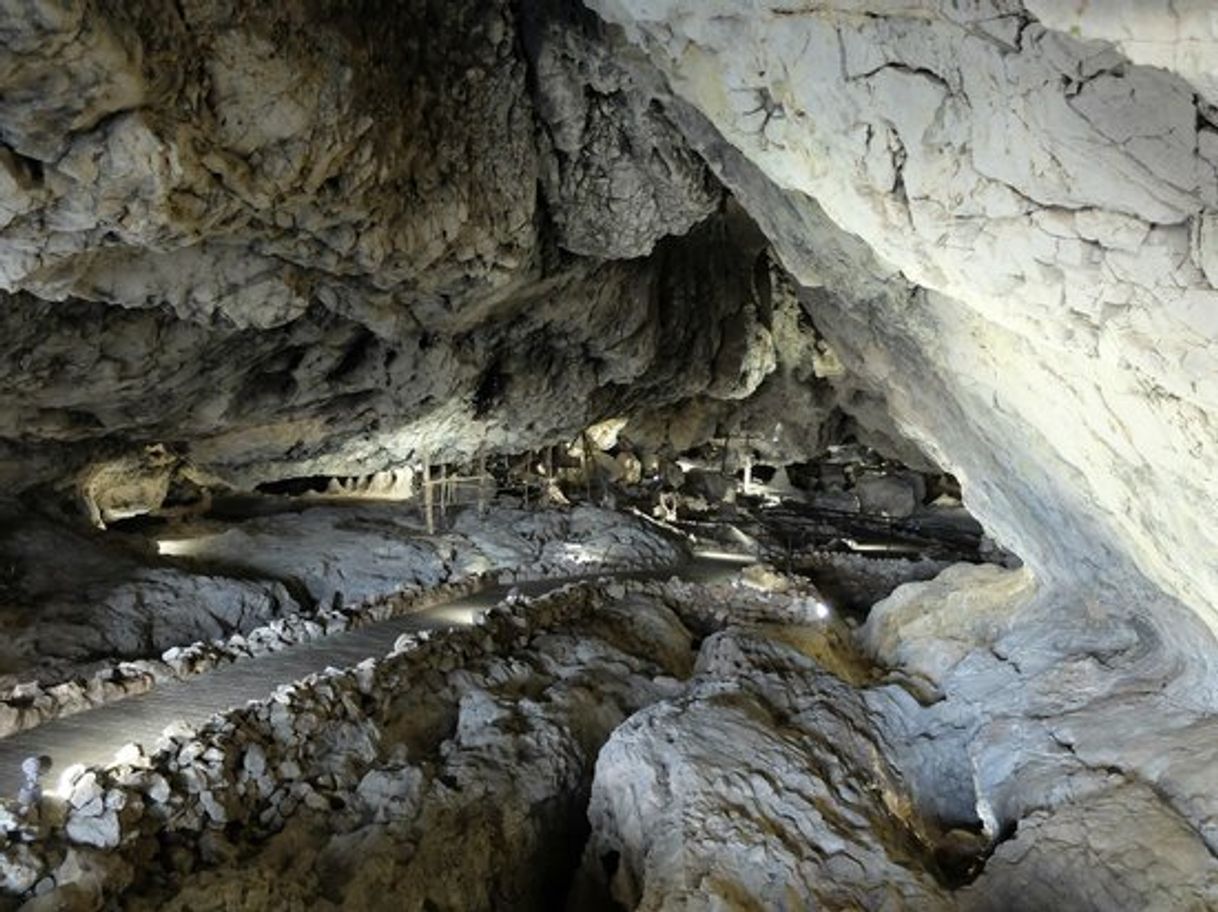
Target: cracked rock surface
{"type": "Point", "coordinates": [963, 759]}
{"type": "Point", "coordinates": [762, 786]}
{"type": "Point", "coordinates": [1010, 220]}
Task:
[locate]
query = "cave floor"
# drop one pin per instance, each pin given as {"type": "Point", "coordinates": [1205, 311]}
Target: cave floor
{"type": "Point", "coordinates": [706, 707]}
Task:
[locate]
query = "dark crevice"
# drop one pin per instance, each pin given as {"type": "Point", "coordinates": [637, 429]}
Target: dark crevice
{"type": "Point", "coordinates": [925, 72]}
{"type": "Point", "coordinates": [356, 354]}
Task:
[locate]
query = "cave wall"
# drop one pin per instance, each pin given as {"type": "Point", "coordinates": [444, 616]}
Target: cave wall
{"type": "Point", "coordinates": [1013, 219]}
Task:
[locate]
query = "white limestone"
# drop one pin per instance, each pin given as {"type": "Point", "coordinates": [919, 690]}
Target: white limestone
{"type": "Point", "coordinates": [1050, 194]}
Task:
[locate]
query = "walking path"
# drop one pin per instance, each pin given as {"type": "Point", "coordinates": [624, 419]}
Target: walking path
{"type": "Point", "coordinates": [93, 737]}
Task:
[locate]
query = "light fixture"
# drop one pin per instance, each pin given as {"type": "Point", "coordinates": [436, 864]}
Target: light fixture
{"type": "Point", "coordinates": [68, 778]}
{"type": "Point", "coordinates": [182, 547]}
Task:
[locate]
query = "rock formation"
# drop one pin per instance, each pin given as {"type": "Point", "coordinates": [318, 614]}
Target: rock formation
{"type": "Point", "coordinates": [327, 246]}
{"type": "Point", "coordinates": [339, 239]}
{"type": "Point", "coordinates": [292, 244]}
{"type": "Point", "coordinates": [1009, 220]}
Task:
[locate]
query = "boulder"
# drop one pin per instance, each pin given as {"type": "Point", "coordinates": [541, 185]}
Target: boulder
{"type": "Point", "coordinates": [716, 488]}
{"type": "Point", "coordinates": [897, 496]}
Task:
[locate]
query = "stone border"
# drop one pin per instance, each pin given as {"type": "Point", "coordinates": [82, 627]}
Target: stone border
{"type": "Point", "coordinates": [30, 705]}
{"type": "Point", "coordinates": [249, 767]}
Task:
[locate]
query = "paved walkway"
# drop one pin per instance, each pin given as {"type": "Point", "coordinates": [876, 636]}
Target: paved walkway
{"type": "Point", "coordinates": [93, 736]}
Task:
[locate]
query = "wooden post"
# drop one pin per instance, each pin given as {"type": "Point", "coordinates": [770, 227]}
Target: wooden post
{"type": "Point", "coordinates": [583, 467]}
{"type": "Point", "coordinates": [444, 495]}
{"type": "Point", "coordinates": [482, 485]}
{"type": "Point", "coordinates": [428, 495]}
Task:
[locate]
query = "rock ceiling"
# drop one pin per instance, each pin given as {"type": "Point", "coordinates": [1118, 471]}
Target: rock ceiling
{"type": "Point", "coordinates": [327, 237]}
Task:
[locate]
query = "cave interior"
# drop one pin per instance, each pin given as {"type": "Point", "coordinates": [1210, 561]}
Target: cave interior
{"type": "Point", "coordinates": [608, 455]}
